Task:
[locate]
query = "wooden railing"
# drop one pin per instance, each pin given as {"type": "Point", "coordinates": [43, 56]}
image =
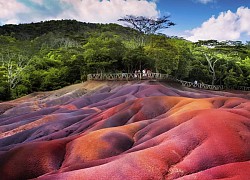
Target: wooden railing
{"type": "Point", "coordinates": [127, 76]}
{"type": "Point", "coordinates": [212, 87]}
{"type": "Point", "coordinates": [159, 76]}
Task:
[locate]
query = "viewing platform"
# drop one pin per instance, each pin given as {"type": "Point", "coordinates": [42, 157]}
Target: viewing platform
{"type": "Point", "coordinates": [127, 76]}
{"type": "Point", "coordinates": [159, 77]}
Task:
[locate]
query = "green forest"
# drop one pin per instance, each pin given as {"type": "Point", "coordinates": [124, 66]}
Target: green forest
{"type": "Point", "coordinates": [49, 55]}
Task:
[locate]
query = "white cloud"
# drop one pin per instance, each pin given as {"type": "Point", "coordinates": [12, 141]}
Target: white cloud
{"type": "Point", "coordinates": [205, 1]}
{"type": "Point", "coordinates": [10, 9]}
{"type": "Point", "coordinates": [96, 11]}
{"type": "Point", "coordinates": [227, 26]}
{"type": "Point", "coordinates": [108, 10]}
{"type": "Point", "coordinates": [244, 15]}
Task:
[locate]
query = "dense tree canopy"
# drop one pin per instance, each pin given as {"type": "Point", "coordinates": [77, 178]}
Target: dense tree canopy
{"type": "Point", "coordinates": [52, 54]}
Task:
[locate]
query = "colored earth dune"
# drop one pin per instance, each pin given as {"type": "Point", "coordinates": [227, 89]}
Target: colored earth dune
{"type": "Point", "coordinates": [120, 130]}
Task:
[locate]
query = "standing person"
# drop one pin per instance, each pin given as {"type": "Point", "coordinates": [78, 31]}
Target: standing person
{"type": "Point", "coordinates": [195, 82]}
{"type": "Point", "coordinates": [144, 72]}
{"type": "Point", "coordinates": [136, 74]}
{"type": "Point", "coordinates": [139, 73]}
{"type": "Point", "coordinates": [149, 73]}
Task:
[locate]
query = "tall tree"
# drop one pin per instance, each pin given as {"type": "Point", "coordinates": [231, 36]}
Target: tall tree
{"type": "Point", "coordinates": [185, 57]}
{"type": "Point", "coordinates": [146, 25]}
{"type": "Point", "coordinates": [220, 61]}
{"type": "Point", "coordinates": [103, 52]}
{"type": "Point", "coordinates": [135, 59]}
{"type": "Point", "coordinates": [15, 65]}
{"type": "Point", "coordinates": [164, 54]}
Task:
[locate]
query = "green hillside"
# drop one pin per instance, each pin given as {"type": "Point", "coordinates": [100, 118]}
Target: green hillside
{"type": "Point", "coordinates": [52, 54]}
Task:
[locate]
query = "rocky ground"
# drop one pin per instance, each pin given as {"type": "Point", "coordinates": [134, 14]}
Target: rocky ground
{"type": "Point", "coordinates": [126, 130]}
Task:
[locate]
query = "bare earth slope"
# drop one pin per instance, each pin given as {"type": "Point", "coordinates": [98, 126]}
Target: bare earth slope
{"type": "Point", "coordinates": [120, 130]}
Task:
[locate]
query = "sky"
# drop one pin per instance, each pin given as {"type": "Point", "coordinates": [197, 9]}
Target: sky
{"type": "Point", "coordinates": [195, 19]}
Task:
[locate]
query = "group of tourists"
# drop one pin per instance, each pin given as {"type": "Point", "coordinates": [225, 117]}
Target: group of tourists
{"type": "Point", "coordinates": [143, 73]}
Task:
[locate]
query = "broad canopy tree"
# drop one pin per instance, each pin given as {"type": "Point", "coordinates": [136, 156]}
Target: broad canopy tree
{"type": "Point", "coordinates": [146, 26]}
{"type": "Point", "coordinates": [162, 57]}
{"type": "Point", "coordinates": [103, 52]}
{"type": "Point", "coordinates": [164, 54]}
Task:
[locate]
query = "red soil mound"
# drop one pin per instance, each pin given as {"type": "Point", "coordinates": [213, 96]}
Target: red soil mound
{"type": "Point", "coordinates": [137, 131]}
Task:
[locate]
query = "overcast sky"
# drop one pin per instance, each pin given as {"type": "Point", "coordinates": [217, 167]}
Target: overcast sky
{"type": "Point", "coordinates": [195, 19]}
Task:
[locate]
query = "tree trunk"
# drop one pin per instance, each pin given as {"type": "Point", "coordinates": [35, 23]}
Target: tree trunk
{"type": "Point", "coordinates": [211, 66]}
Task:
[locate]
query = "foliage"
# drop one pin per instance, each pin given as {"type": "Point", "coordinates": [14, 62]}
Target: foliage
{"type": "Point", "coordinates": [185, 57]}
{"type": "Point", "coordinates": [136, 59]}
{"type": "Point", "coordinates": [164, 53]}
{"type": "Point", "coordinates": [223, 62]}
{"type": "Point", "coordinates": [52, 54]}
{"type": "Point", "coordinates": [103, 53]}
